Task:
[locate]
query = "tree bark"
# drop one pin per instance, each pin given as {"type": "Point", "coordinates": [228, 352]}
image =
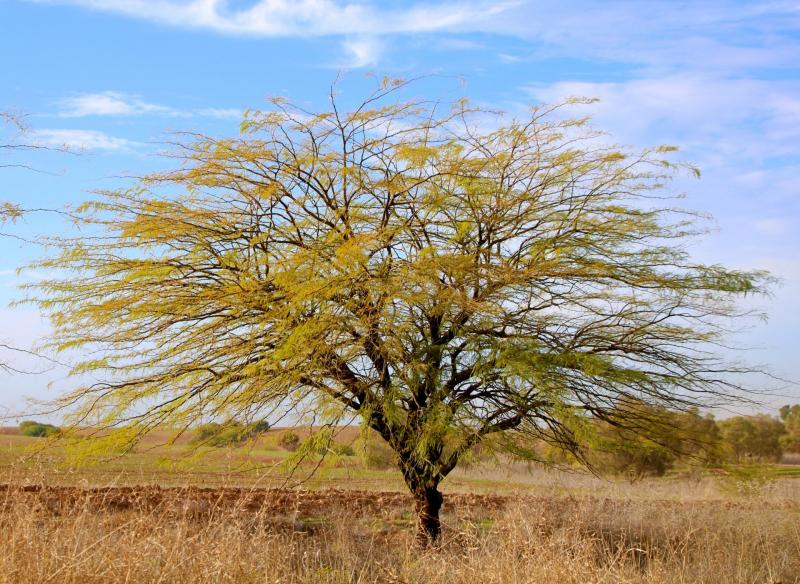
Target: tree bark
{"type": "Point", "coordinates": [428, 502]}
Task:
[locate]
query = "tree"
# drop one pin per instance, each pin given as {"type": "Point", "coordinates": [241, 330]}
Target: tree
{"type": "Point", "coordinates": [791, 420]}
{"type": "Point", "coordinates": [13, 126]}
{"type": "Point", "coordinates": [753, 437]}
{"type": "Point", "coordinates": [676, 436]}
{"type": "Point", "coordinates": [37, 429]}
{"type": "Point", "coordinates": [445, 277]}
{"type": "Point", "coordinates": [15, 137]}
{"type": "Point", "coordinates": [230, 433]}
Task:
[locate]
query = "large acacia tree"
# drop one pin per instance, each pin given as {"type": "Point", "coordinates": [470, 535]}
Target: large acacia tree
{"type": "Point", "coordinates": [443, 274]}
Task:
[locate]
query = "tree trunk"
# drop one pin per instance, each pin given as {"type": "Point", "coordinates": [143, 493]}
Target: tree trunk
{"type": "Point", "coordinates": [428, 502]}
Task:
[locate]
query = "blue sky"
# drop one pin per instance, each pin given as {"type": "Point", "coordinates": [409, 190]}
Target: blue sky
{"type": "Point", "coordinates": [720, 79]}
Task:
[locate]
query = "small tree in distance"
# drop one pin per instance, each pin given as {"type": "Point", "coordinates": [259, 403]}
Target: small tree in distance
{"type": "Point", "coordinates": [756, 438]}
{"type": "Point", "coordinates": [791, 419]}
{"type": "Point", "coordinates": [443, 274]}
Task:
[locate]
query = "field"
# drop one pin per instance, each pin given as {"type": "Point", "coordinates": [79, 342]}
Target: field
{"type": "Point", "coordinates": [229, 516]}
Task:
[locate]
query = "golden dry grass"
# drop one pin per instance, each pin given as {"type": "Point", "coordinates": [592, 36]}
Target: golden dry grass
{"type": "Point", "coordinates": [529, 526]}
{"type": "Point", "coordinates": [180, 536]}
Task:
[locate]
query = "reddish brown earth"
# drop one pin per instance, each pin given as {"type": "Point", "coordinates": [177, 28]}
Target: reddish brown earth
{"type": "Point", "coordinates": [196, 501]}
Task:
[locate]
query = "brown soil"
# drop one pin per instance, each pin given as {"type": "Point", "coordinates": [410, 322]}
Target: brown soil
{"type": "Point", "coordinates": [202, 501]}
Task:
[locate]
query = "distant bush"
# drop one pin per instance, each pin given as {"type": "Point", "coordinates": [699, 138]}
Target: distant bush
{"type": "Point", "coordinates": [321, 442]}
{"type": "Point", "coordinates": [228, 433]}
{"type": "Point", "coordinates": [790, 415]}
{"type": "Point", "coordinates": [636, 459]}
{"type": "Point", "coordinates": [375, 453]}
{"type": "Point", "coordinates": [342, 449]}
{"type": "Point", "coordinates": [746, 480]}
{"type": "Point", "coordinates": [289, 441]}
{"type": "Point", "coordinates": [664, 440]}
{"type": "Point", "coordinates": [37, 429]}
{"type": "Point", "coordinates": [753, 438]}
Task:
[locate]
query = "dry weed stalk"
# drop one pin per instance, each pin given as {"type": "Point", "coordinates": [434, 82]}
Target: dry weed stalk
{"type": "Point", "coordinates": [46, 536]}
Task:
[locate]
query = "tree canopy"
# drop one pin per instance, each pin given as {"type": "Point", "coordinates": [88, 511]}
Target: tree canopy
{"type": "Point", "coordinates": [15, 138]}
{"type": "Point", "coordinates": [441, 272]}
{"type": "Point", "coordinates": [11, 127]}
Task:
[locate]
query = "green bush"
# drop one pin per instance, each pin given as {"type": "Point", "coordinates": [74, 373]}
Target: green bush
{"type": "Point", "coordinates": [790, 415]}
{"type": "Point", "coordinates": [660, 440]}
{"type": "Point", "coordinates": [37, 429]}
{"type": "Point", "coordinates": [375, 453]}
{"type": "Point", "coordinates": [342, 449]}
{"type": "Point", "coordinates": [321, 442]}
{"type": "Point", "coordinates": [753, 438]}
{"type": "Point", "coordinates": [746, 480]}
{"type": "Point", "coordinates": [637, 459]}
{"type": "Point", "coordinates": [289, 441]}
{"type": "Point", "coordinates": [228, 433]}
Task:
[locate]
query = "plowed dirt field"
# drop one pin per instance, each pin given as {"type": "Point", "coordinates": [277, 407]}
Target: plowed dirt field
{"type": "Point", "coordinates": [193, 501]}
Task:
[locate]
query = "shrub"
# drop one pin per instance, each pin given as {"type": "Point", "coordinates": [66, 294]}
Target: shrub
{"type": "Point", "coordinates": [638, 459]}
{"type": "Point", "coordinates": [342, 449]}
{"type": "Point", "coordinates": [746, 480]}
{"type": "Point", "coordinates": [375, 453]}
{"type": "Point", "coordinates": [228, 434]}
{"type": "Point", "coordinates": [37, 429]}
{"type": "Point", "coordinates": [791, 420]}
{"type": "Point", "coordinates": [753, 438]}
{"type": "Point", "coordinates": [289, 441]}
{"type": "Point", "coordinates": [661, 439]}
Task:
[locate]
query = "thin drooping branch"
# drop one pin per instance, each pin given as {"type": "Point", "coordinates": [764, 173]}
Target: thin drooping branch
{"type": "Point", "coordinates": [448, 283]}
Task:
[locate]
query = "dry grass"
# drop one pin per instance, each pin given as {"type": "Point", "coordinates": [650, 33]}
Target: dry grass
{"type": "Point", "coordinates": [193, 536]}
{"type": "Point", "coordinates": [531, 525]}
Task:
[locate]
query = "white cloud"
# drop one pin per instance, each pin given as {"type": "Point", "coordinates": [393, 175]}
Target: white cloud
{"type": "Point", "coordinates": [221, 113]}
{"type": "Point", "coordinates": [298, 17]}
{"type": "Point", "coordinates": [82, 140]}
{"type": "Point", "coordinates": [663, 36]}
{"type": "Point", "coordinates": [743, 134]}
{"type": "Point", "coordinates": [508, 58]}
{"type": "Point", "coordinates": [362, 52]}
{"type": "Point", "coordinates": [109, 103]}
{"type": "Point", "coordinates": [116, 103]}
{"type": "Point", "coordinates": [715, 119]}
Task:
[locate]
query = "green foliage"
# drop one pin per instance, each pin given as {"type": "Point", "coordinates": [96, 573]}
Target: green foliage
{"type": "Point", "coordinates": [37, 429]}
{"type": "Point", "coordinates": [752, 438]}
{"type": "Point", "coordinates": [633, 457]}
{"type": "Point", "coordinates": [791, 420]}
{"type": "Point", "coordinates": [228, 433]}
{"type": "Point", "coordinates": [442, 273]}
{"type": "Point", "coordinates": [375, 454]}
{"type": "Point", "coordinates": [342, 449]}
{"type": "Point", "coordinates": [289, 441]}
{"type": "Point", "coordinates": [322, 443]}
{"type": "Point", "coordinates": [746, 479]}
{"type": "Point", "coordinates": [661, 440]}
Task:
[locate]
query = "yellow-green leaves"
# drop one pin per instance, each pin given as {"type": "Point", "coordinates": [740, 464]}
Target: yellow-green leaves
{"type": "Point", "coordinates": [445, 274]}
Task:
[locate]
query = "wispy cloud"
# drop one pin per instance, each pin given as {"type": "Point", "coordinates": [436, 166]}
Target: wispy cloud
{"type": "Point", "coordinates": [739, 117]}
{"type": "Point", "coordinates": [219, 113]}
{"type": "Point", "coordinates": [117, 103]}
{"type": "Point", "coordinates": [88, 140]}
{"type": "Point", "coordinates": [298, 17]}
{"type": "Point", "coordinates": [362, 52]}
{"type": "Point", "coordinates": [662, 36]}
{"type": "Point", "coordinates": [743, 134]}
{"type": "Point", "coordinates": [109, 103]}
